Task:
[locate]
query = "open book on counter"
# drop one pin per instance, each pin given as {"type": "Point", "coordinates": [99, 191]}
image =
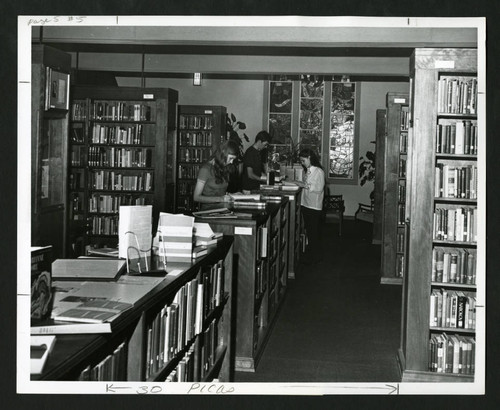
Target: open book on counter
{"type": "Point", "coordinates": [97, 303]}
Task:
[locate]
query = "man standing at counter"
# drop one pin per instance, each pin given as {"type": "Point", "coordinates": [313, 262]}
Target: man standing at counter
{"type": "Point", "coordinates": [254, 168]}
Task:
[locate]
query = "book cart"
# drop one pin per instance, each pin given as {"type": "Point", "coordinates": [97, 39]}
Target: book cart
{"type": "Point", "coordinates": [261, 259]}
{"type": "Point", "coordinates": [201, 130]}
{"type": "Point", "coordinates": [161, 338]}
{"type": "Point", "coordinates": [119, 155]}
{"type": "Point", "coordinates": [439, 285]}
{"type": "Point", "coordinates": [394, 193]}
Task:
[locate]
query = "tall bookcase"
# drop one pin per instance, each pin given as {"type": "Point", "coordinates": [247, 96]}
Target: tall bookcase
{"type": "Point", "coordinates": [121, 153]}
{"type": "Point", "coordinates": [201, 130]}
{"type": "Point", "coordinates": [380, 137]}
{"type": "Point", "coordinates": [50, 77]}
{"type": "Point", "coordinates": [439, 287]}
{"type": "Point", "coordinates": [394, 196]}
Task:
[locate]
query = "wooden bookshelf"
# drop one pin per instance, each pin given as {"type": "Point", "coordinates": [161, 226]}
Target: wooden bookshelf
{"type": "Point", "coordinates": [80, 357]}
{"type": "Point", "coordinates": [261, 270]}
{"type": "Point", "coordinates": [380, 141]}
{"type": "Point", "coordinates": [394, 196]}
{"type": "Point", "coordinates": [118, 155]}
{"type": "Point", "coordinates": [49, 147]}
{"type": "Point", "coordinates": [293, 225]}
{"type": "Point", "coordinates": [423, 331]}
{"type": "Point", "coordinates": [202, 128]}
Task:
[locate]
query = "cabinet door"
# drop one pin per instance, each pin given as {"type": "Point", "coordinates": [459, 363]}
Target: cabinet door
{"type": "Point", "coordinates": [50, 186]}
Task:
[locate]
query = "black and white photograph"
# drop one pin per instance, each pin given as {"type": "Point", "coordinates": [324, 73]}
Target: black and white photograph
{"type": "Point", "coordinates": [251, 205]}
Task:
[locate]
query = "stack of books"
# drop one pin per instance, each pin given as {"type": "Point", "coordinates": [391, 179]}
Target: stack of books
{"type": "Point", "coordinates": [175, 237]}
{"type": "Point", "coordinates": [203, 238]}
{"type": "Point", "coordinates": [252, 201]}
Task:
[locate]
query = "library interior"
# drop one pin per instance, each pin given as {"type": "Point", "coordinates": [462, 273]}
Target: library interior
{"type": "Point", "coordinates": [343, 245]}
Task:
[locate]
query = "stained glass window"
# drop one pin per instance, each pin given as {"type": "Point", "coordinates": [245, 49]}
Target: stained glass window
{"type": "Point", "coordinates": [311, 112]}
{"type": "Point", "coordinates": [341, 141]}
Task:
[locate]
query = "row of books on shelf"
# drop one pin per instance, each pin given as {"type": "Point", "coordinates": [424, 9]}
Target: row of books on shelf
{"type": "Point", "coordinates": [117, 134]}
{"type": "Point", "coordinates": [455, 224]}
{"type": "Point", "coordinates": [196, 122]}
{"type": "Point", "coordinates": [455, 181]}
{"type": "Point", "coordinates": [185, 188]}
{"type": "Point", "coordinates": [104, 225]}
{"type": "Point", "coordinates": [453, 265]}
{"type": "Point", "coordinates": [457, 137]}
{"type": "Point", "coordinates": [194, 154]}
{"type": "Point", "coordinates": [401, 214]}
{"type": "Point", "coordinates": [200, 139]}
{"type": "Point", "coordinates": [173, 329]}
{"type": "Point", "coordinates": [401, 191]}
{"type": "Point", "coordinates": [77, 133]}
{"type": "Point", "coordinates": [78, 156]}
{"type": "Point", "coordinates": [260, 278]}
{"type": "Point", "coordinates": [76, 179]}
{"type": "Point", "coordinates": [111, 203]}
{"type": "Point", "coordinates": [400, 266]}
{"type": "Point", "coordinates": [195, 365]}
{"type": "Point", "coordinates": [454, 354]}
{"type": "Point", "coordinates": [457, 95]}
{"type": "Point", "coordinates": [112, 368]}
{"type": "Point", "coordinates": [403, 143]}
{"type": "Point", "coordinates": [400, 241]}
{"type": "Point", "coordinates": [405, 119]}
{"type": "Point", "coordinates": [119, 157]}
{"type": "Point", "coordinates": [111, 180]}
{"type": "Point", "coordinates": [76, 204]}
{"type": "Point", "coordinates": [402, 168]}
{"type": "Point", "coordinates": [120, 111]}
{"type": "Point", "coordinates": [452, 309]}
{"type": "Point", "coordinates": [188, 171]}
{"type": "Point", "coordinates": [79, 110]}
{"type": "Point", "coordinates": [185, 203]}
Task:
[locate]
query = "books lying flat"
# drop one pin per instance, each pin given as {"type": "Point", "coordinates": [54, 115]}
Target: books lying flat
{"type": "Point", "coordinates": [199, 251]}
{"type": "Point", "coordinates": [245, 197]}
{"type": "Point", "coordinates": [249, 204]}
{"type": "Point", "coordinates": [54, 327]}
{"type": "Point", "coordinates": [94, 311]}
{"type": "Point", "coordinates": [175, 240]}
{"type": "Point", "coordinates": [111, 252]}
{"type": "Point", "coordinates": [87, 268]}
{"type": "Point", "coordinates": [215, 213]}
{"type": "Point", "coordinates": [290, 187]}
{"type": "Point", "coordinates": [40, 348]}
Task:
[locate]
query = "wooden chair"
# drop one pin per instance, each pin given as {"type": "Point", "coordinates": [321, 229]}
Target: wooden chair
{"type": "Point", "coordinates": [365, 212]}
{"type": "Point", "coordinates": [333, 209]}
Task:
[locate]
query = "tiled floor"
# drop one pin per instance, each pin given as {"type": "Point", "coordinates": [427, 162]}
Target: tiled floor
{"type": "Point", "coordinates": [337, 323]}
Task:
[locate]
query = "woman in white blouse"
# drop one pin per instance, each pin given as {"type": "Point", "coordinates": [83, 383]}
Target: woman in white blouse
{"type": "Point", "coordinates": [313, 185]}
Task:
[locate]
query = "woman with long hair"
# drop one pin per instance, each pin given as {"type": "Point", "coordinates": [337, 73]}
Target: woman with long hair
{"type": "Point", "coordinates": [313, 192]}
{"type": "Point", "coordinates": [213, 177]}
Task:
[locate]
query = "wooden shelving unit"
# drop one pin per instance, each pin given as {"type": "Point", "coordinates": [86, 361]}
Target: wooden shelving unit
{"type": "Point", "coordinates": [261, 264]}
{"type": "Point", "coordinates": [119, 155]}
{"type": "Point", "coordinates": [131, 344]}
{"type": "Point", "coordinates": [50, 78]}
{"type": "Point", "coordinates": [202, 128]}
{"type": "Point", "coordinates": [380, 141]}
{"type": "Point", "coordinates": [394, 196]}
{"type": "Point", "coordinates": [293, 225]}
{"type": "Point", "coordinates": [426, 279]}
